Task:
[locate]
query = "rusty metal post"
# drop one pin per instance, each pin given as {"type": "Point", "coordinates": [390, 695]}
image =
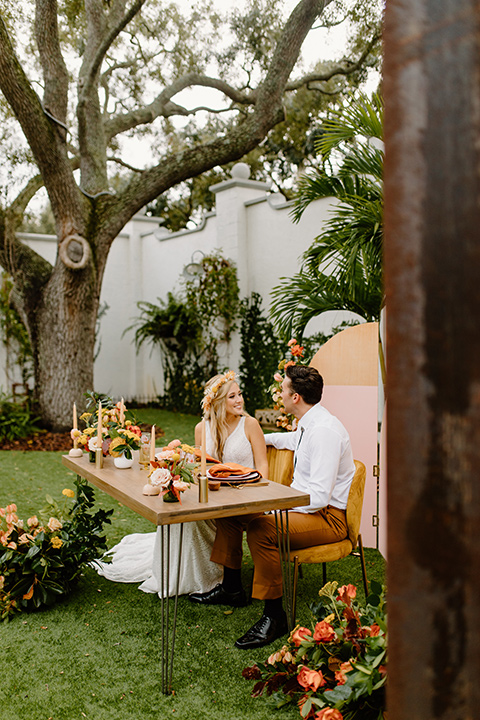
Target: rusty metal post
{"type": "Point", "coordinates": [432, 263]}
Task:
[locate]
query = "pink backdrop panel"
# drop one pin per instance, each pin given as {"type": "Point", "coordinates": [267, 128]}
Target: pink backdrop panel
{"type": "Point", "coordinates": [357, 408]}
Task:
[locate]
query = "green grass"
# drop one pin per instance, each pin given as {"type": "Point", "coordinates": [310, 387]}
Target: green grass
{"type": "Point", "coordinates": [97, 654]}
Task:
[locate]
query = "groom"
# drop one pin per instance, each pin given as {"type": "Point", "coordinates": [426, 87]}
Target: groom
{"type": "Point", "coordinates": [324, 468]}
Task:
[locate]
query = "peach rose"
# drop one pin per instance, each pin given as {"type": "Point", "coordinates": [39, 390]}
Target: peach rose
{"type": "Point", "coordinates": [11, 508]}
{"type": "Point", "coordinates": [3, 512]}
{"type": "Point", "coordinates": [340, 675]}
{"type": "Point", "coordinates": [174, 444]}
{"type": "Point", "coordinates": [347, 593]}
{"type": "Point", "coordinates": [12, 545]}
{"type": "Point", "coordinates": [298, 634]}
{"type": "Point", "coordinates": [323, 632]}
{"type": "Point", "coordinates": [2, 582]}
{"type": "Point", "coordinates": [54, 524]}
{"type": "Point", "coordinates": [292, 342]}
{"type": "Point", "coordinates": [329, 714]}
{"type": "Point", "coordinates": [277, 377]}
{"type": "Point", "coordinates": [310, 679]}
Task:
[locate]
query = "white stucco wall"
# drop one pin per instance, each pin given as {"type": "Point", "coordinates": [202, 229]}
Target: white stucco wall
{"type": "Point", "coordinates": [250, 226]}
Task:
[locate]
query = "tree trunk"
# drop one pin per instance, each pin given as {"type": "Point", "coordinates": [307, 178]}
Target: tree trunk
{"type": "Point", "coordinates": [64, 345]}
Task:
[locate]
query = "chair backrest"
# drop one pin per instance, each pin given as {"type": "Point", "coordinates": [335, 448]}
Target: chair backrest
{"type": "Point", "coordinates": [355, 502]}
{"type": "Point", "coordinates": [280, 465]}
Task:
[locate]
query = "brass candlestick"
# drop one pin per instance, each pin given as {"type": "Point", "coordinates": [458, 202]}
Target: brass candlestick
{"type": "Point", "coordinates": [202, 489]}
{"type": "Point", "coordinates": [99, 458]}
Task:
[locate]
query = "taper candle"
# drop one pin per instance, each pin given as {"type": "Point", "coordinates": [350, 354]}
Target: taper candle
{"type": "Point", "coordinates": [203, 457]}
{"type": "Point", "coordinates": [122, 412]}
{"type": "Point", "coordinates": [152, 445]}
{"type": "Point", "coordinates": [74, 416]}
{"type": "Point", "coordinates": [99, 430]}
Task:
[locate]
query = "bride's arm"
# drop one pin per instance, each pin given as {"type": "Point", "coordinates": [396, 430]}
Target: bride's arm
{"type": "Point", "coordinates": [255, 436]}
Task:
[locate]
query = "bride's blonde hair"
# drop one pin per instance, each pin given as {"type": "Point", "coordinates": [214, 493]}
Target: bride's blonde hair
{"type": "Point", "coordinates": [215, 410]}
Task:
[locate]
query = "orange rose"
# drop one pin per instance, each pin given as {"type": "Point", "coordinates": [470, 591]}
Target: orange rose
{"type": "Point", "coordinates": [310, 679]}
{"type": "Point", "coordinates": [54, 524]}
{"type": "Point", "coordinates": [329, 714]}
{"type": "Point", "coordinates": [340, 674]}
{"type": "Point", "coordinates": [323, 632]}
{"type": "Point", "coordinates": [298, 634]}
{"type": "Point", "coordinates": [347, 593]}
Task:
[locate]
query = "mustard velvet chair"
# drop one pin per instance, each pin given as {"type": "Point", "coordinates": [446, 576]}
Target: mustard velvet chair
{"type": "Point", "coordinates": [338, 550]}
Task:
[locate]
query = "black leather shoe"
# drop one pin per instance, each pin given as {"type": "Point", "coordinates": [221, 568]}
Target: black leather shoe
{"type": "Point", "coordinates": [219, 596]}
{"type": "Point", "coordinates": [265, 631]}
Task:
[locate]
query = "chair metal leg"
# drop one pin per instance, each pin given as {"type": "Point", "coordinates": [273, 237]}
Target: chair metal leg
{"type": "Point", "coordinates": [364, 567]}
{"type": "Point", "coordinates": [296, 568]}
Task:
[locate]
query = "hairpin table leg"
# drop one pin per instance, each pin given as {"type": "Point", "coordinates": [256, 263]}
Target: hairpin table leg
{"type": "Point", "coordinates": [283, 540]}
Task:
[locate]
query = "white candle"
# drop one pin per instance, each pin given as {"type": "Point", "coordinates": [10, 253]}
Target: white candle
{"type": "Point", "coordinates": [74, 416]}
{"type": "Point", "coordinates": [122, 413]}
{"type": "Point", "coordinates": [152, 445]}
{"type": "Point", "coordinates": [99, 430]}
{"type": "Point", "coordinates": [203, 458]}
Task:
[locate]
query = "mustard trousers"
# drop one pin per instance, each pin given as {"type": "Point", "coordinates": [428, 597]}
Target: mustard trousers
{"type": "Point", "coordinates": [325, 526]}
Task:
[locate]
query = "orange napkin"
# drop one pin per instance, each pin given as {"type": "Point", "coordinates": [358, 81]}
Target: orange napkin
{"type": "Point", "coordinates": [209, 458]}
{"type": "Point", "coordinates": [227, 470]}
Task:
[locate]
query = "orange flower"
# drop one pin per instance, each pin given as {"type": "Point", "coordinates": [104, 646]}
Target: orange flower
{"type": "Point", "coordinates": [347, 593]}
{"type": "Point", "coordinates": [341, 673]}
{"type": "Point", "coordinates": [297, 351]}
{"type": "Point", "coordinates": [310, 679]}
{"type": "Point", "coordinates": [32, 521]}
{"type": "Point", "coordinates": [298, 634]}
{"type": "Point", "coordinates": [323, 632]}
{"type": "Point", "coordinates": [329, 714]}
{"type": "Point", "coordinates": [11, 508]}
{"type": "Point", "coordinates": [291, 342]}
{"type": "Point", "coordinates": [54, 524]}
{"type": "Point", "coordinates": [290, 362]}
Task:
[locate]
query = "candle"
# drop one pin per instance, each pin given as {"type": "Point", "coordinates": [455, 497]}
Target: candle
{"type": "Point", "coordinates": [203, 459]}
{"type": "Point", "coordinates": [152, 445]}
{"type": "Point", "coordinates": [99, 431]}
{"type": "Point", "coordinates": [122, 413]}
{"type": "Point", "coordinates": [74, 416]}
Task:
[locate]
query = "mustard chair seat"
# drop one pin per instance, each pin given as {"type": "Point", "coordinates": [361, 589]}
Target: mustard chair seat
{"type": "Point", "coordinates": [280, 465]}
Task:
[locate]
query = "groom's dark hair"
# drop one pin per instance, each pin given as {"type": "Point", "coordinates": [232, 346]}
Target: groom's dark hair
{"type": "Point", "coordinates": [307, 382]}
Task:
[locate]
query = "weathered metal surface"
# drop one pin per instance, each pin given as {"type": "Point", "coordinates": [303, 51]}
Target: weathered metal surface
{"type": "Point", "coordinates": [432, 264]}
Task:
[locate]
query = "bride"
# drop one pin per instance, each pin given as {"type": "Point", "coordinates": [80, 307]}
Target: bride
{"type": "Point", "coordinates": [231, 436]}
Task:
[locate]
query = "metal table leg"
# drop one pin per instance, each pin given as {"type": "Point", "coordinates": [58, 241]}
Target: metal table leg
{"type": "Point", "coordinates": [283, 539]}
{"type": "Point", "coordinates": [168, 648]}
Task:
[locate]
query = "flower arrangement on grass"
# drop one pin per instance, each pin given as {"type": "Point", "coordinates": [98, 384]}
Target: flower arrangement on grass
{"type": "Point", "coordinates": [41, 559]}
{"type": "Point", "coordinates": [294, 356]}
{"type": "Point", "coordinates": [337, 669]}
{"type": "Point", "coordinates": [173, 470]}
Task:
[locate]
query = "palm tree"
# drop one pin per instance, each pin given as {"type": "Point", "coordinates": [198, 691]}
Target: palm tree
{"type": "Point", "coordinates": [342, 269]}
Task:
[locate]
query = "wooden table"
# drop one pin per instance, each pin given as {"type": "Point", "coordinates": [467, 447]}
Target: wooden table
{"type": "Point", "coordinates": [126, 486]}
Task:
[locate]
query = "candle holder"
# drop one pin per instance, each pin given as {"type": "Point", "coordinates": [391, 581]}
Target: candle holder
{"type": "Point", "coordinates": [202, 489]}
{"type": "Point", "coordinates": [75, 451]}
{"type": "Point", "coordinates": [98, 459]}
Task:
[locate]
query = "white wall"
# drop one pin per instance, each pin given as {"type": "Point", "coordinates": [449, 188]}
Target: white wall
{"type": "Point", "coordinates": [250, 226]}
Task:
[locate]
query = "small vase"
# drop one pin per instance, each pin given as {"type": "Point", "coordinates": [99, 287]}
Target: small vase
{"type": "Point", "coordinates": [91, 456]}
{"type": "Point", "coordinates": [170, 496]}
{"type": "Point", "coordinates": [122, 461]}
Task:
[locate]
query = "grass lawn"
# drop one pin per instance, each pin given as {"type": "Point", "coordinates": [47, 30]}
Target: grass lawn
{"type": "Point", "coordinates": [96, 655]}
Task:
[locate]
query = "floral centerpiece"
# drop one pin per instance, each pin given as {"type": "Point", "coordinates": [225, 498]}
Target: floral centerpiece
{"type": "Point", "coordinates": [42, 558]}
{"type": "Point", "coordinates": [172, 471]}
{"type": "Point", "coordinates": [337, 669]}
{"type": "Point", "coordinates": [294, 356]}
{"type": "Point", "coordinates": [116, 422]}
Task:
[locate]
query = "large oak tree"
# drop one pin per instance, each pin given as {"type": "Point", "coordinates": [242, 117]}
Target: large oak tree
{"type": "Point", "coordinates": [120, 49]}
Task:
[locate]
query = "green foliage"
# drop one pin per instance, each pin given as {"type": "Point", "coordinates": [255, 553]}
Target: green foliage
{"type": "Point", "coordinates": [342, 270]}
{"type": "Point", "coordinates": [189, 328]}
{"type": "Point", "coordinates": [260, 348]}
{"type": "Point", "coordinates": [340, 663]}
{"type": "Point", "coordinates": [13, 332]}
{"type": "Point", "coordinates": [16, 421]}
{"type": "Point", "coordinates": [41, 559]}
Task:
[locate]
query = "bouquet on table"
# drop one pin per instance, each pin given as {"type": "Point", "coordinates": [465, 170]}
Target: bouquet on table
{"type": "Point", "coordinates": [118, 431]}
{"type": "Point", "coordinates": [172, 471]}
{"type": "Point", "coordinates": [336, 670]}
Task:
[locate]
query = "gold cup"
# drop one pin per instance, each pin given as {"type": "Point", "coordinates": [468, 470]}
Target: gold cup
{"type": "Point", "coordinates": [98, 459]}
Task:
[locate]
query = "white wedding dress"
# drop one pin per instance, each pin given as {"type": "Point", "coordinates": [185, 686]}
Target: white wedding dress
{"type": "Point", "coordinates": [137, 557]}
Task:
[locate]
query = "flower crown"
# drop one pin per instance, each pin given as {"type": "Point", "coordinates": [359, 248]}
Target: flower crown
{"type": "Point", "coordinates": [213, 389]}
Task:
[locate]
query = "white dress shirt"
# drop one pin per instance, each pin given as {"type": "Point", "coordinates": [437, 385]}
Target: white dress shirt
{"type": "Point", "coordinates": [324, 465]}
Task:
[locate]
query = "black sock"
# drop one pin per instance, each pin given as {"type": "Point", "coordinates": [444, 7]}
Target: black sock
{"type": "Point", "coordinates": [273, 608]}
{"type": "Point", "coordinates": [232, 580]}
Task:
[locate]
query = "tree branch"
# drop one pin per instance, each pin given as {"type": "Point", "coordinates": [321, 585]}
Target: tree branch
{"type": "Point", "coordinates": [54, 70]}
